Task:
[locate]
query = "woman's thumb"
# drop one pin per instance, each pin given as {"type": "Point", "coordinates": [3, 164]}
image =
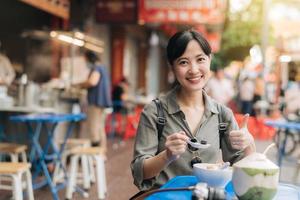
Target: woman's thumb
{"type": "Point", "coordinates": [245, 121]}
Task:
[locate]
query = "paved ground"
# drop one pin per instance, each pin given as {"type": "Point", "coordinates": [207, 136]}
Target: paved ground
{"type": "Point", "coordinates": [120, 183]}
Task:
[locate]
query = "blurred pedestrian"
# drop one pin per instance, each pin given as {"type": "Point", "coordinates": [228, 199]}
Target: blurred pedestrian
{"type": "Point", "coordinates": [120, 96]}
{"type": "Point", "coordinates": [7, 72]}
{"type": "Point", "coordinates": [259, 90]}
{"type": "Point", "coordinates": [292, 98]}
{"type": "Point", "coordinates": [246, 95]}
{"type": "Point", "coordinates": [98, 86]}
{"type": "Point", "coordinates": [220, 88]}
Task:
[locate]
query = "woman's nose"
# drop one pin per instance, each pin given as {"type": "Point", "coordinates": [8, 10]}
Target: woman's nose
{"type": "Point", "coordinates": [193, 67]}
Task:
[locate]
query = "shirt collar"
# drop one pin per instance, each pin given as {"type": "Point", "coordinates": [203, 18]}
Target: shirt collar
{"type": "Point", "coordinates": [170, 102]}
{"type": "Point", "coordinates": [210, 104]}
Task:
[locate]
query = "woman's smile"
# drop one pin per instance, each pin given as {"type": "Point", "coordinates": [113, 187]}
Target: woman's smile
{"type": "Point", "coordinates": [195, 79]}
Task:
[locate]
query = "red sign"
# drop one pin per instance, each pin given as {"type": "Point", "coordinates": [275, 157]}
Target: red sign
{"type": "Point", "coordinates": [182, 11]}
{"type": "Point", "coordinates": [116, 11]}
{"type": "Point", "coordinates": [214, 40]}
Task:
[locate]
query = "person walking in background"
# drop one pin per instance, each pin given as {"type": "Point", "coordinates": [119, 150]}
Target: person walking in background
{"type": "Point", "coordinates": [259, 91]}
{"type": "Point", "coordinates": [120, 96]}
{"type": "Point", "coordinates": [98, 86]}
{"type": "Point", "coordinates": [246, 95]}
{"type": "Point", "coordinates": [190, 114]}
{"type": "Point", "coordinates": [7, 72]}
{"type": "Point", "coordinates": [220, 88]}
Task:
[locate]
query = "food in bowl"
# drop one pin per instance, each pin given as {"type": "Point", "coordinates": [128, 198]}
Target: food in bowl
{"type": "Point", "coordinates": [255, 177]}
{"type": "Point", "coordinates": [212, 174]}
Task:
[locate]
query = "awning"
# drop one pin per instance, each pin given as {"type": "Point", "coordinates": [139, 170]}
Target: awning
{"type": "Point", "coordinates": [59, 8]}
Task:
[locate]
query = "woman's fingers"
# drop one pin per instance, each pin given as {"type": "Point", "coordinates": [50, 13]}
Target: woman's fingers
{"type": "Point", "coordinates": [180, 136]}
{"type": "Point", "coordinates": [239, 139]}
{"type": "Point", "coordinates": [176, 144]}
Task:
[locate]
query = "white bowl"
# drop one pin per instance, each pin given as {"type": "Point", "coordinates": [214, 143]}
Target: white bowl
{"type": "Point", "coordinates": [212, 174]}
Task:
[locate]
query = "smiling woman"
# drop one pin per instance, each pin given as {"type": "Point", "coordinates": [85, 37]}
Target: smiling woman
{"type": "Point", "coordinates": [190, 115]}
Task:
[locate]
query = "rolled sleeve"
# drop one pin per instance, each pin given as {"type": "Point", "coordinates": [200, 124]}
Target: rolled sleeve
{"type": "Point", "coordinates": [138, 175]}
{"type": "Point", "coordinates": [146, 144]}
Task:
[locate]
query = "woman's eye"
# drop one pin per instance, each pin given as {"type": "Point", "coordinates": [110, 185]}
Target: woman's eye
{"type": "Point", "coordinates": [201, 59]}
{"type": "Point", "coordinates": [183, 63]}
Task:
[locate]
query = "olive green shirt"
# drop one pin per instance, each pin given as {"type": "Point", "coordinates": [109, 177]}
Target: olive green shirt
{"type": "Point", "coordinates": [147, 144]}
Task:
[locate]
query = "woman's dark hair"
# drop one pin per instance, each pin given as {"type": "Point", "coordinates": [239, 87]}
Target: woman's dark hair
{"type": "Point", "coordinates": [91, 57]}
{"type": "Point", "coordinates": [178, 43]}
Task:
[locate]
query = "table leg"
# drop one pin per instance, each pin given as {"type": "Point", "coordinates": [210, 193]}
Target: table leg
{"type": "Point", "coordinates": [34, 135]}
{"type": "Point", "coordinates": [50, 136]}
{"type": "Point", "coordinates": [62, 148]}
{"type": "Point", "coordinates": [37, 151]}
{"type": "Point", "coordinates": [57, 152]}
{"type": "Point", "coordinates": [281, 148]}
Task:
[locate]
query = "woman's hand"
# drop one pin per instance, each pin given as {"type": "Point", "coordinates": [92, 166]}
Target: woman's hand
{"type": "Point", "coordinates": [242, 139]}
{"type": "Point", "coordinates": [176, 145]}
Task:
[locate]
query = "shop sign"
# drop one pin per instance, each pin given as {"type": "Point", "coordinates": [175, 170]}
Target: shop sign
{"type": "Point", "coordinates": [116, 11]}
{"type": "Point", "coordinates": [214, 40]}
{"type": "Point", "coordinates": [182, 11]}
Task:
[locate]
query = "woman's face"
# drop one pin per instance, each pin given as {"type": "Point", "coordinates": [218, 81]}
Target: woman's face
{"type": "Point", "coordinates": [192, 68]}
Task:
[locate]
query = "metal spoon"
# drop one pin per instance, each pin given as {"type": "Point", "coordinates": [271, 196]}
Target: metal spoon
{"type": "Point", "coordinates": [198, 145]}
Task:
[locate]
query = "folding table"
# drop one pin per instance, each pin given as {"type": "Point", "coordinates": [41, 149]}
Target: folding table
{"type": "Point", "coordinates": [43, 154]}
{"type": "Point", "coordinates": [283, 127]}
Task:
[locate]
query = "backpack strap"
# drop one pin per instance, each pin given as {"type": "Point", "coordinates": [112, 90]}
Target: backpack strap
{"type": "Point", "coordinates": [161, 119]}
{"type": "Point", "coordinates": [223, 125]}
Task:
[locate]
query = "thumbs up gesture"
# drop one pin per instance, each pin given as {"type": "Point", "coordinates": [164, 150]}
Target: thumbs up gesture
{"type": "Point", "coordinates": [241, 139]}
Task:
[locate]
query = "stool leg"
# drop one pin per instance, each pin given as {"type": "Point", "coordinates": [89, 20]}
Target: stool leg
{"type": "Point", "coordinates": [24, 157]}
{"type": "Point", "coordinates": [17, 186]}
{"type": "Point", "coordinates": [13, 157]}
{"type": "Point", "coordinates": [101, 182]}
{"type": "Point", "coordinates": [91, 169]}
{"type": "Point", "coordinates": [29, 185]}
{"type": "Point", "coordinates": [297, 172]}
{"type": "Point", "coordinates": [72, 177]}
{"type": "Point", "coordinates": [85, 171]}
{"type": "Point", "coordinates": [58, 174]}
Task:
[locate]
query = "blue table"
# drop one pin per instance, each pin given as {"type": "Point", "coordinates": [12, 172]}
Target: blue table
{"type": "Point", "coordinates": [282, 127]}
{"type": "Point", "coordinates": [41, 155]}
{"type": "Point", "coordinates": [285, 191]}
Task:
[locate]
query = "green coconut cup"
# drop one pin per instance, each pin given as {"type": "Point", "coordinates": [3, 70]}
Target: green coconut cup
{"type": "Point", "coordinates": [255, 177]}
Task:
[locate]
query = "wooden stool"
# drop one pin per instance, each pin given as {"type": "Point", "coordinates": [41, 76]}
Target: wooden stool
{"type": "Point", "coordinates": [88, 174]}
{"type": "Point", "coordinates": [97, 154]}
{"type": "Point", "coordinates": [14, 150]}
{"type": "Point", "coordinates": [15, 171]}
